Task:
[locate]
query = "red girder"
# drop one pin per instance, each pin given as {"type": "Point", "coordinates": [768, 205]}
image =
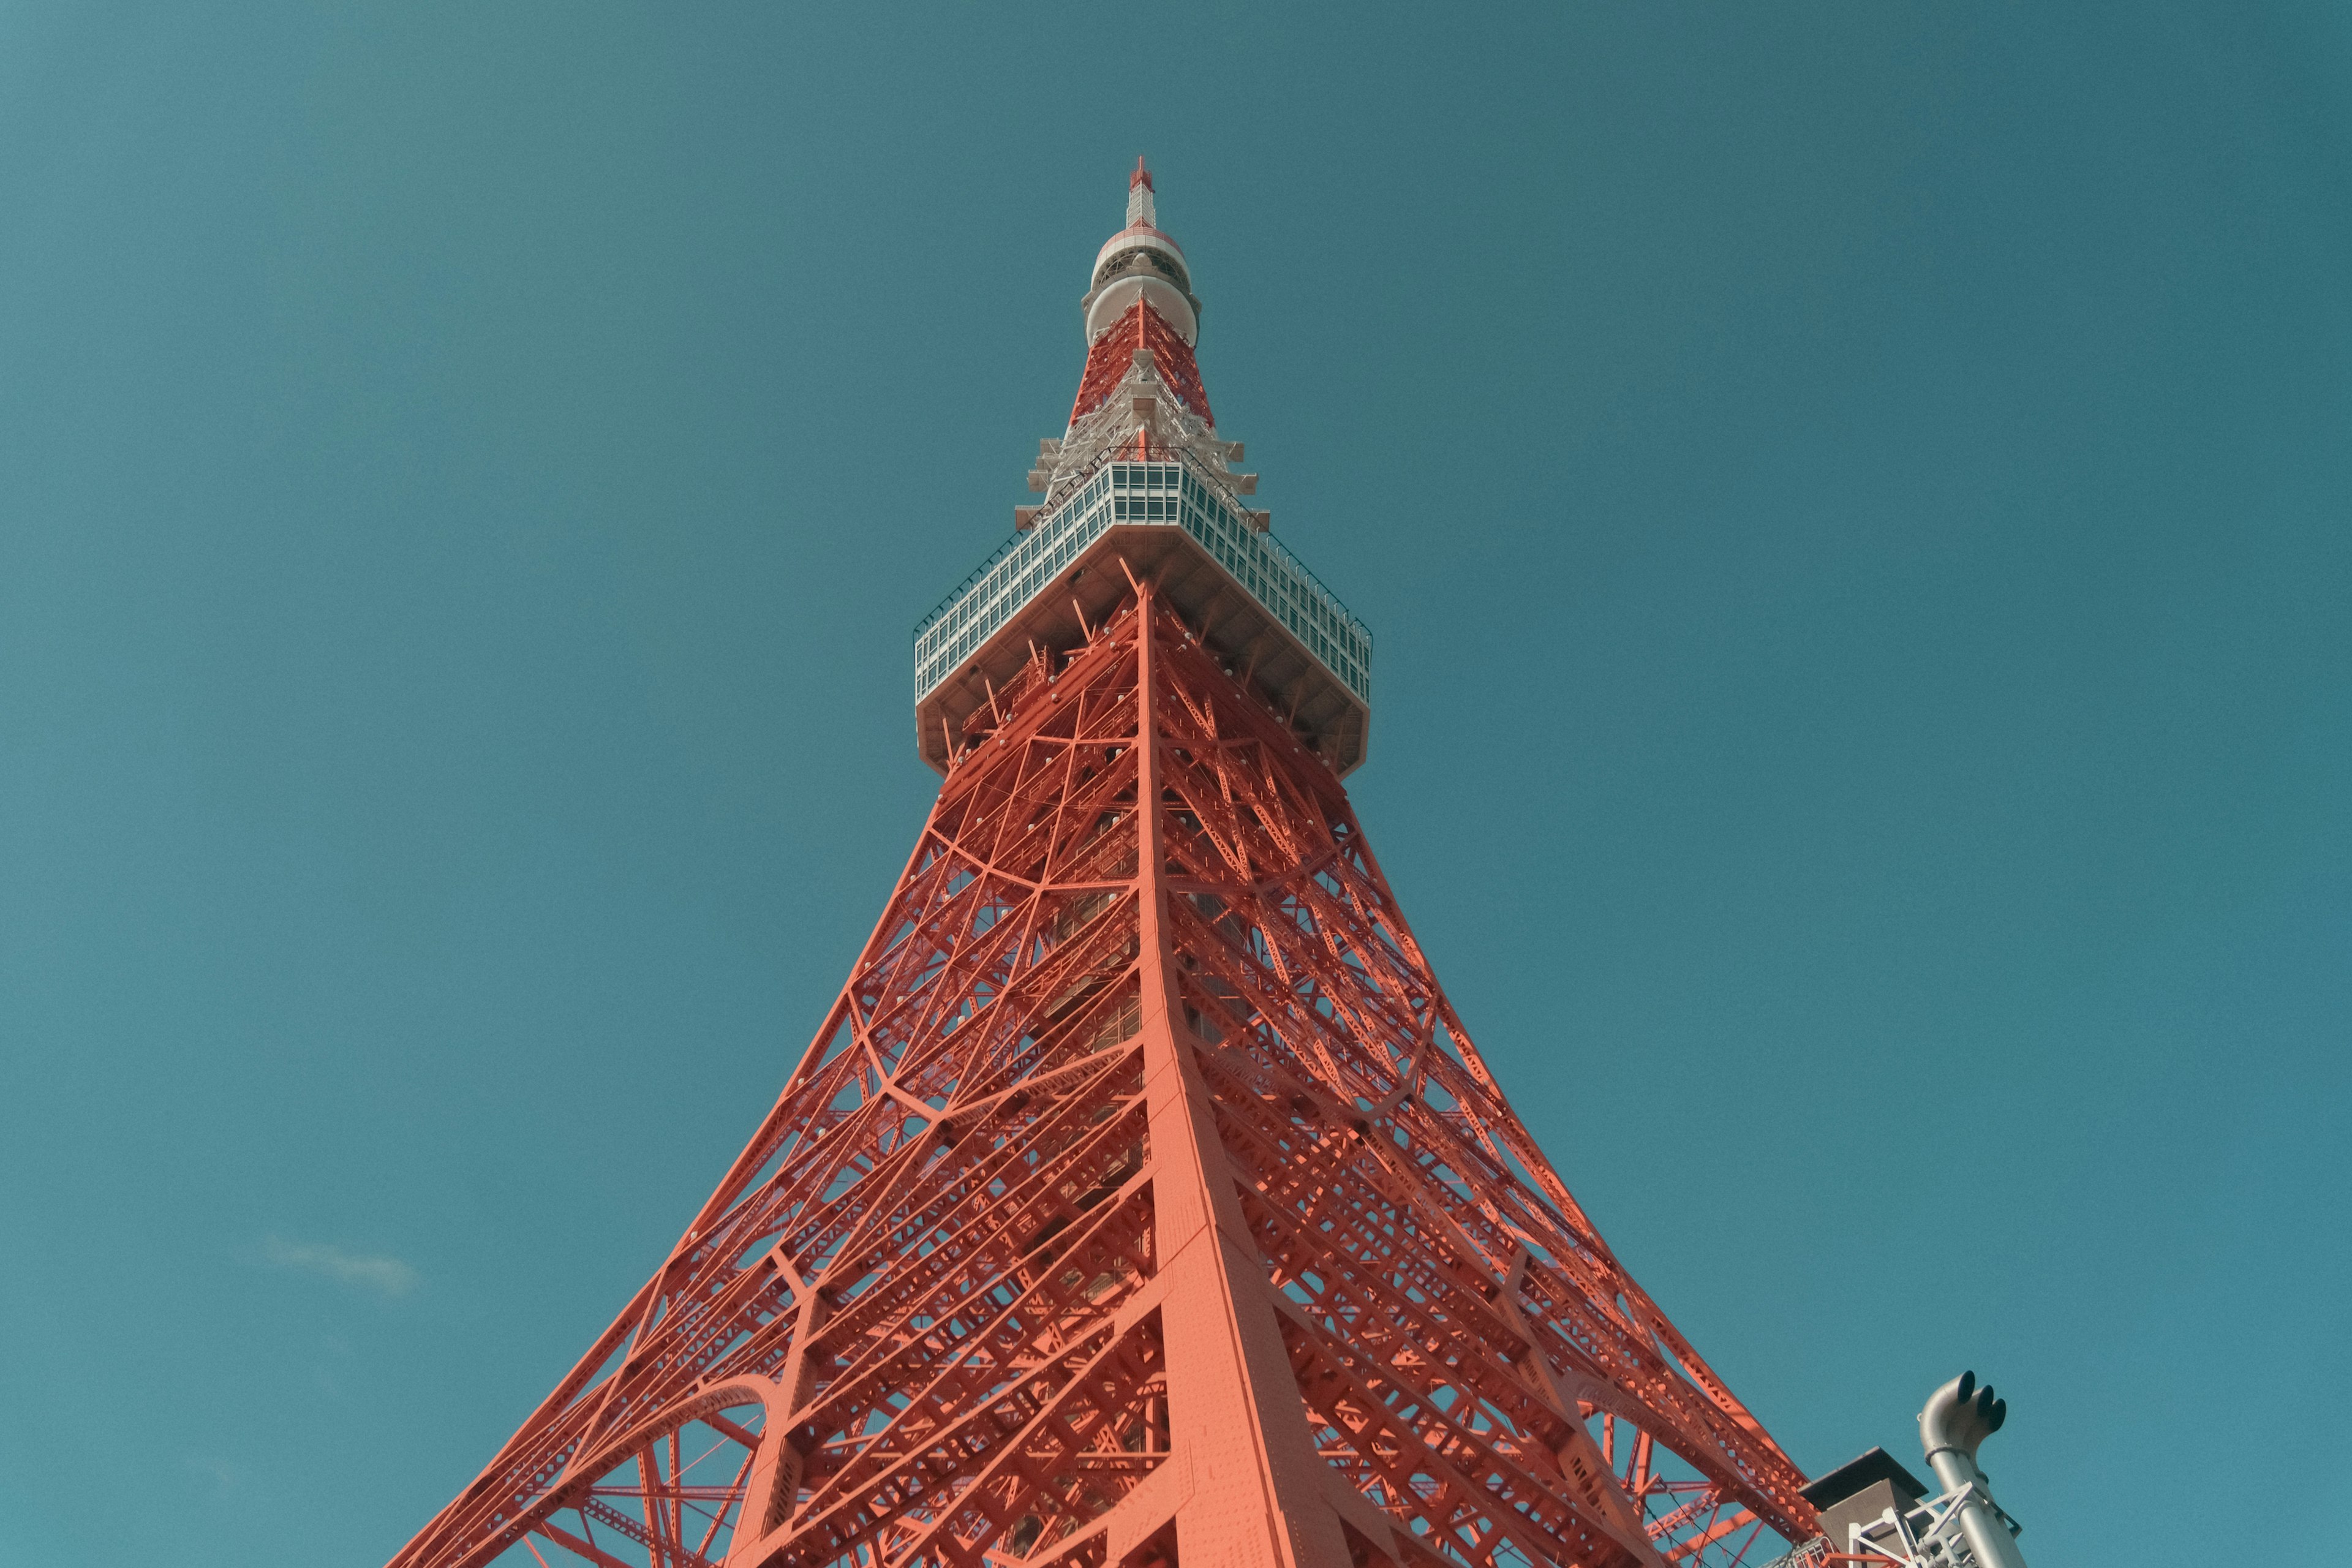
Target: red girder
{"type": "Point", "coordinates": [1113, 350]}
{"type": "Point", "coordinates": [1141, 1201]}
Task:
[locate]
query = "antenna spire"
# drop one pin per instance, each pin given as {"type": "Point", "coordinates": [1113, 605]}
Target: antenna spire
{"type": "Point", "coordinates": [1139, 197]}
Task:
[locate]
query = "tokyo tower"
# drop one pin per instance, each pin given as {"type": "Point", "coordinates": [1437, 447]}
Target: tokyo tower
{"type": "Point", "coordinates": [1142, 1201]}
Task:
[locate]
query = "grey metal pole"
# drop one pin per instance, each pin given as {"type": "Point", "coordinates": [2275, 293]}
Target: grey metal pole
{"type": "Point", "coordinates": [1958, 1416]}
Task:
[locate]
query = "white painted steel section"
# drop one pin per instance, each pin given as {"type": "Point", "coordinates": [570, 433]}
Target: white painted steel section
{"type": "Point", "coordinates": [1140, 239]}
{"type": "Point", "coordinates": [1163, 494]}
{"type": "Point", "coordinates": [1117, 295]}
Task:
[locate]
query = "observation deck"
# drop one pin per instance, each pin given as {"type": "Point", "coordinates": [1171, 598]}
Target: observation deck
{"type": "Point", "coordinates": [1278, 629]}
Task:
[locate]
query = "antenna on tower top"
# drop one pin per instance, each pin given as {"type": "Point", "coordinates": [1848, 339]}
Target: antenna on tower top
{"type": "Point", "coordinates": [1139, 196]}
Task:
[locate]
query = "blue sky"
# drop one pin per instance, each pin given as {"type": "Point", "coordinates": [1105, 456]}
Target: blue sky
{"type": "Point", "coordinates": [1851, 503]}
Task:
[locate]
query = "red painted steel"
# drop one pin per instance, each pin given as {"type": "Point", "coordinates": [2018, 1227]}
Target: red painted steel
{"type": "Point", "coordinates": [1141, 1202]}
{"type": "Point", "coordinates": [1113, 351]}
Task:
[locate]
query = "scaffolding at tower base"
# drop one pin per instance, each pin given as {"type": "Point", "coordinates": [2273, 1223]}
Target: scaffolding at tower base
{"type": "Point", "coordinates": [1927, 1534]}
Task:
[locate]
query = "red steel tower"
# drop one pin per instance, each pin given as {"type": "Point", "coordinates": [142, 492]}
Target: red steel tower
{"type": "Point", "coordinates": [1142, 1201]}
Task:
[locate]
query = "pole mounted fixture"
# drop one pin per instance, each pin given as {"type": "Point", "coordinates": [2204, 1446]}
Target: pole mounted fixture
{"type": "Point", "coordinates": [1958, 1417]}
{"type": "Point", "coordinates": [1873, 1511]}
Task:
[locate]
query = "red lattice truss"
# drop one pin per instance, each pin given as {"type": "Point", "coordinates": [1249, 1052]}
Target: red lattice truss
{"type": "Point", "coordinates": [1110, 353]}
{"type": "Point", "coordinates": [1141, 1202]}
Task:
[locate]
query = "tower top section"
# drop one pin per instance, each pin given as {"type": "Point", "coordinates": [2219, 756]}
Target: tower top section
{"type": "Point", "coordinates": [1140, 262]}
{"type": "Point", "coordinates": [1139, 488]}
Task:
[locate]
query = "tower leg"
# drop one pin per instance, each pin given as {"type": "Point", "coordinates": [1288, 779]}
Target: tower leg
{"type": "Point", "coordinates": [1251, 1491]}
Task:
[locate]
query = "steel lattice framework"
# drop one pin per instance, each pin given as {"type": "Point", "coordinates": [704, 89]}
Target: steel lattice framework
{"type": "Point", "coordinates": [1108, 356]}
{"type": "Point", "coordinates": [1142, 1200]}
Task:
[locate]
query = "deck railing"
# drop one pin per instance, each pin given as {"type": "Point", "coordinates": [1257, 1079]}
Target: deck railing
{"type": "Point", "coordinates": [1169, 491]}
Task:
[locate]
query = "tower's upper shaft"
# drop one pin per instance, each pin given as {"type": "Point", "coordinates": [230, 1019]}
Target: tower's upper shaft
{"type": "Point", "coordinates": [1141, 484]}
{"type": "Point", "coordinates": [1139, 262]}
{"type": "Point", "coordinates": [1139, 298]}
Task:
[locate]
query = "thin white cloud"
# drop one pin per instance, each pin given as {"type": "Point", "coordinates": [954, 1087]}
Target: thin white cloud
{"type": "Point", "coordinates": [385, 1275]}
{"type": "Point", "coordinates": [223, 1475]}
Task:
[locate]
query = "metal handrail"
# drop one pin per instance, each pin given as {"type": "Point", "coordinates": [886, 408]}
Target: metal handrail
{"type": "Point", "coordinates": [1078, 485]}
{"type": "Point", "coordinates": [1296, 597]}
{"type": "Point", "coordinates": [1119, 453]}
